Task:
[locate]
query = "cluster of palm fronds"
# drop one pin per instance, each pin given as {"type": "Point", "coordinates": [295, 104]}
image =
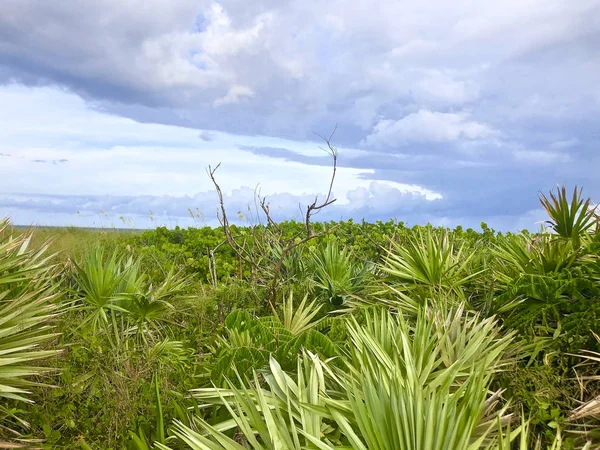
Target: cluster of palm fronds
{"type": "Point", "coordinates": [403, 384]}
{"type": "Point", "coordinates": [250, 341]}
{"type": "Point", "coordinates": [118, 299]}
{"type": "Point", "coordinates": [27, 308]}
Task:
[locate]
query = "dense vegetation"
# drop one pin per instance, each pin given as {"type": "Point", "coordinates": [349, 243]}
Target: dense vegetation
{"type": "Point", "coordinates": [368, 336]}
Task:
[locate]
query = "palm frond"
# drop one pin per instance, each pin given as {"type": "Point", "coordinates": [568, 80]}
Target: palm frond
{"type": "Point", "coordinates": [429, 261]}
{"type": "Point", "coordinates": [403, 385]}
{"type": "Point", "coordinates": [27, 309]}
{"type": "Point", "coordinates": [570, 219]}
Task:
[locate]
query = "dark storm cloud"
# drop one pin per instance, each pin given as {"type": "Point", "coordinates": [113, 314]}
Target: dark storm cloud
{"type": "Point", "coordinates": [484, 102]}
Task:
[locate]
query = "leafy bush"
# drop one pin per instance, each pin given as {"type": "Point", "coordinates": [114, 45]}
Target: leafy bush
{"type": "Point", "coordinates": [250, 341]}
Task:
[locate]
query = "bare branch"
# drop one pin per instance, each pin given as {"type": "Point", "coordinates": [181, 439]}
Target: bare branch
{"type": "Point", "coordinates": [240, 250]}
{"type": "Point", "coordinates": [271, 236]}
{"type": "Point", "coordinates": [286, 250]}
{"type": "Point", "coordinates": [265, 207]}
{"type": "Point", "coordinates": [314, 208]}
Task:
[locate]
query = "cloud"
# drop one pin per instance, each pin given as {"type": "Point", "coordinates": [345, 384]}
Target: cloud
{"type": "Point", "coordinates": [482, 103]}
{"type": "Point", "coordinates": [50, 161]}
{"type": "Point", "coordinates": [206, 136]}
{"type": "Point", "coordinates": [278, 68]}
{"type": "Point", "coordinates": [370, 202]}
{"type": "Point", "coordinates": [540, 157]}
{"type": "Point", "coordinates": [427, 126]}
{"type": "Point", "coordinates": [568, 143]}
{"type": "Point", "coordinates": [288, 155]}
{"type": "Point", "coordinates": [234, 95]}
{"type": "Point", "coordinates": [442, 89]}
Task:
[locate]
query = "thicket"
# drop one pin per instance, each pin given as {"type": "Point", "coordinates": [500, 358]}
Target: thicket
{"type": "Point", "coordinates": [320, 336]}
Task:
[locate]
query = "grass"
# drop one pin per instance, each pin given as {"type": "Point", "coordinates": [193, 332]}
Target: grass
{"type": "Point", "coordinates": [75, 241]}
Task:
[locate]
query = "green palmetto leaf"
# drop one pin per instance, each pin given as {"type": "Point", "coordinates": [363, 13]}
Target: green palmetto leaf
{"type": "Point", "coordinates": [337, 274]}
{"type": "Point", "coordinates": [422, 385]}
{"type": "Point", "coordinates": [250, 341]}
{"type": "Point", "coordinates": [532, 273]}
{"type": "Point", "coordinates": [520, 254]}
{"type": "Point", "coordinates": [100, 281]}
{"type": "Point", "coordinates": [27, 308]}
{"type": "Point", "coordinates": [405, 385]}
{"type": "Point", "coordinates": [102, 285]}
{"type": "Point", "coordinates": [299, 319]}
{"type": "Point", "coordinates": [569, 219]}
{"type": "Point", "coordinates": [431, 261]}
{"type": "Point", "coordinates": [23, 327]}
{"type": "Point", "coordinates": [147, 307]}
{"type": "Point", "coordinates": [287, 415]}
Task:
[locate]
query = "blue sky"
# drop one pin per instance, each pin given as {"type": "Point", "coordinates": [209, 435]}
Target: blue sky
{"type": "Point", "coordinates": [448, 112]}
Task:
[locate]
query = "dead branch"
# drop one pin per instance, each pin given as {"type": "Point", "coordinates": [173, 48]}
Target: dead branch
{"type": "Point", "coordinates": [212, 262]}
{"type": "Point", "coordinates": [272, 234]}
{"type": "Point", "coordinates": [314, 207]}
{"type": "Point", "coordinates": [240, 250]}
{"type": "Point", "coordinates": [265, 207]}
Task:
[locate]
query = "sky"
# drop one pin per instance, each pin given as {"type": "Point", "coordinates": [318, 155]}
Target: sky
{"type": "Point", "coordinates": [451, 113]}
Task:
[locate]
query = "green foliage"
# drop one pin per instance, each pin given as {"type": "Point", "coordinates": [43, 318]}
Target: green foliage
{"type": "Point", "coordinates": [337, 275]}
{"type": "Point", "coordinates": [403, 385]}
{"type": "Point", "coordinates": [545, 286]}
{"type": "Point", "coordinates": [147, 306]}
{"type": "Point", "coordinates": [99, 282]}
{"type": "Point", "coordinates": [250, 341]}
{"type": "Point", "coordinates": [396, 337]}
{"type": "Point", "coordinates": [570, 220]}
{"type": "Point", "coordinates": [429, 264]}
{"type": "Point", "coordinates": [27, 310]}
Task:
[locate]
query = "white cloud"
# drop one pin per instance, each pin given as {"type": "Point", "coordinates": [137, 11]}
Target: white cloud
{"type": "Point", "coordinates": [302, 60]}
{"type": "Point", "coordinates": [427, 126]}
{"type": "Point", "coordinates": [568, 143]}
{"type": "Point", "coordinates": [475, 80]}
{"type": "Point", "coordinates": [442, 89]}
{"type": "Point", "coordinates": [235, 94]}
{"type": "Point", "coordinates": [371, 201]}
{"type": "Point", "coordinates": [129, 167]}
{"type": "Point", "coordinates": [540, 157]}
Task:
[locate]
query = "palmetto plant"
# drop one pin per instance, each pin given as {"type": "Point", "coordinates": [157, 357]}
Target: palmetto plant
{"type": "Point", "coordinates": [146, 306]}
{"type": "Point", "coordinates": [293, 267]}
{"type": "Point", "coordinates": [433, 371]}
{"type": "Point", "coordinates": [100, 282]}
{"type": "Point", "coordinates": [536, 270]}
{"type": "Point", "coordinates": [336, 274]}
{"type": "Point", "coordinates": [429, 263]}
{"type": "Point", "coordinates": [539, 255]}
{"type": "Point", "coordinates": [119, 300]}
{"type": "Point", "coordinates": [569, 219]}
{"type": "Point", "coordinates": [289, 414]}
{"type": "Point", "coordinates": [27, 307]}
{"type": "Point", "coordinates": [404, 385]}
{"type": "Point", "coordinates": [250, 341]}
{"type": "Point", "coordinates": [299, 319]}
{"type": "Point", "coordinates": [542, 280]}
